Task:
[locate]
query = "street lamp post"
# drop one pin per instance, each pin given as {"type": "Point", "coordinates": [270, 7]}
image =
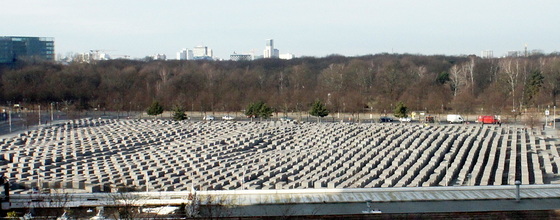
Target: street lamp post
{"type": "Point", "coordinates": [10, 119]}
{"type": "Point", "coordinates": [546, 113]}
{"type": "Point", "coordinates": [517, 191]}
{"type": "Point", "coordinates": [554, 118]}
{"type": "Point", "coordinates": [52, 112]}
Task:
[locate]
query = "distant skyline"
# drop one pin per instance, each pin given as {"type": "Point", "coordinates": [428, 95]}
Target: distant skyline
{"type": "Point", "coordinates": [304, 28]}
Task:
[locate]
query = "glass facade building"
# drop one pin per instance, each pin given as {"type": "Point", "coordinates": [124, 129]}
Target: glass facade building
{"type": "Point", "coordinates": [14, 48]}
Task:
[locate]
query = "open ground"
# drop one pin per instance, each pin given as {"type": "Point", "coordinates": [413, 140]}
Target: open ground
{"type": "Point", "coordinates": [96, 155]}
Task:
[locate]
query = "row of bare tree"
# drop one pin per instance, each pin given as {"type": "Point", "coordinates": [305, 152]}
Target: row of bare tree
{"type": "Point", "coordinates": [466, 84]}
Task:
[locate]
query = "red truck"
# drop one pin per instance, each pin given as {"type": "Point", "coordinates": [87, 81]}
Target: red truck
{"type": "Point", "coordinates": [487, 119]}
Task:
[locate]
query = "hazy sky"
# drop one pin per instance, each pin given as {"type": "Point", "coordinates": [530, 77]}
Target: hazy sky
{"type": "Point", "coordinates": [302, 27]}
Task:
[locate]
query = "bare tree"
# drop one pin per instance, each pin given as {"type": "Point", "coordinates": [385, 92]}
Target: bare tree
{"type": "Point", "coordinates": [126, 204]}
{"type": "Point", "coordinates": [380, 81]}
{"type": "Point", "coordinates": [215, 206]}
{"type": "Point", "coordinates": [52, 203]}
{"type": "Point", "coordinates": [531, 119]}
{"type": "Point", "coordinates": [393, 80]}
{"type": "Point", "coordinates": [192, 209]}
{"type": "Point", "coordinates": [59, 198]}
{"type": "Point", "coordinates": [510, 70]}
{"type": "Point", "coordinates": [551, 72]}
{"type": "Point", "coordinates": [288, 209]}
{"type": "Point", "coordinates": [469, 70]}
{"type": "Point", "coordinates": [457, 79]}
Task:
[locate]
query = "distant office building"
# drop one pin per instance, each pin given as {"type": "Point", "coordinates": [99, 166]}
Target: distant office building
{"type": "Point", "coordinates": [92, 56]}
{"type": "Point", "coordinates": [487, 54]}
{"type": "Point", "coordinates": [269, 51]}
{"type": "Point", "coordinates": [185, 54]}
{"type": "Point", "coordinates": [512, 53]}
{"type": "Point", "coordinates": [14, 48]}
{"type": "Point", "coordinates": [536, 52]}
{"type": "Point", "coordinates": [159, 57]}
{"type": "Point", "coordinates": [287, 56]}
{"type": "Point", "coordinates": [202, 53]}
{"type": "Point", "coordinates": [104, 56]}
{"type": "Point", "coordinates": [241, 57]}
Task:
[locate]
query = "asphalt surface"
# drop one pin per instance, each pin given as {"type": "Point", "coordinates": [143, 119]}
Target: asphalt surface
{"type": "Point", "coordinates": [399, 207]}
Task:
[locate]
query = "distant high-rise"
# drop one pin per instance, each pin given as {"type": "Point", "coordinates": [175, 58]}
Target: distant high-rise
{"type": "Point", "coordinates": [13, 48]}
{"type": "Point", "coordinates": [269, 51]}
{"type": "Point", "coordinates": [159, 56]}
{"type": "Point", "coordinates": [202, 53]}
{"type": "Point", "coordinates": [487, 54]}
{"type": "Point", "coordinates": [185, 54]}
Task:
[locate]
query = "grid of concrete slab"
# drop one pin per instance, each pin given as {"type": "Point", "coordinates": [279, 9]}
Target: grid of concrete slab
{"type": "Point", "coordinates": [160, 155]}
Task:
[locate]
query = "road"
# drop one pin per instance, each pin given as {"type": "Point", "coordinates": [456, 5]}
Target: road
{"type": "Point", "coordinates": [26, 120]}
{"type": "Point", "coordinates": [399, 207]}
{"type": "Point", "coordinates": [332, 201]}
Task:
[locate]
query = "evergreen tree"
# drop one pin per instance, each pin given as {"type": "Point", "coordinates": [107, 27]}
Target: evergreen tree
{"type": "Point", "coordinates": [179, 114]}
{"type": "Point", "coordinates": [253, 109]}
{"type": "Point", "coordinates": [319, 110]}
{"type": "Point", "coordinates": [258, 110]}
{"type": "Point", "coordinates": [401, 111]}
{"type": "Point", "coordinates": [536, 81]}
{"type": "Point", "coordinates": [265, 111]}
{"type": "Point", "coordinates": [155, 109]}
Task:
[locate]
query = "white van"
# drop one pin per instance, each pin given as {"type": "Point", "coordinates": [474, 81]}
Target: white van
{"type": "Point", "coordinates": [455, 119]}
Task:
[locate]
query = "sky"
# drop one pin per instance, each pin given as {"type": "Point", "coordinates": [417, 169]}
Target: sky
{"type": "Point", "coordinates": [140, 28]}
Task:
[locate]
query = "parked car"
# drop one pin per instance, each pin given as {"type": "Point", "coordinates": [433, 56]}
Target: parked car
{"type": "Point", "coordinates": [208, 118]}
{"type": "Point", "coordinates": [385, 119]}
{"type": "Point", "coordinates": [407, 119]}
{"type": "Point", "coordinates": [286, 119]}
{"type": "Point", "coordinates": [228, 118]}
{"type": "Point", "coordinates": [430, 119]}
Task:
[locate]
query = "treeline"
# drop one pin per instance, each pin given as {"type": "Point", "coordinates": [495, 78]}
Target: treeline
{"type": "Point", "coordinates": [373, 83]}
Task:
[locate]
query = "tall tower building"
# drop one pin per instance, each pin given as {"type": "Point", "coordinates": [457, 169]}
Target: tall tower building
{"type": "Point", "coordinates": [269, 51]}
{"type": "Point", "coordinates": [487, 54]}
{"type": "Point", "coordinates": [185, 54]}
{"type": "Point", "coordinates": [200, 51]}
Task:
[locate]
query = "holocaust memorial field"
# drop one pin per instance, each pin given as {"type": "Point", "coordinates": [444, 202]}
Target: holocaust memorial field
{"type": "Point", "coordinates": [94, 155]}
